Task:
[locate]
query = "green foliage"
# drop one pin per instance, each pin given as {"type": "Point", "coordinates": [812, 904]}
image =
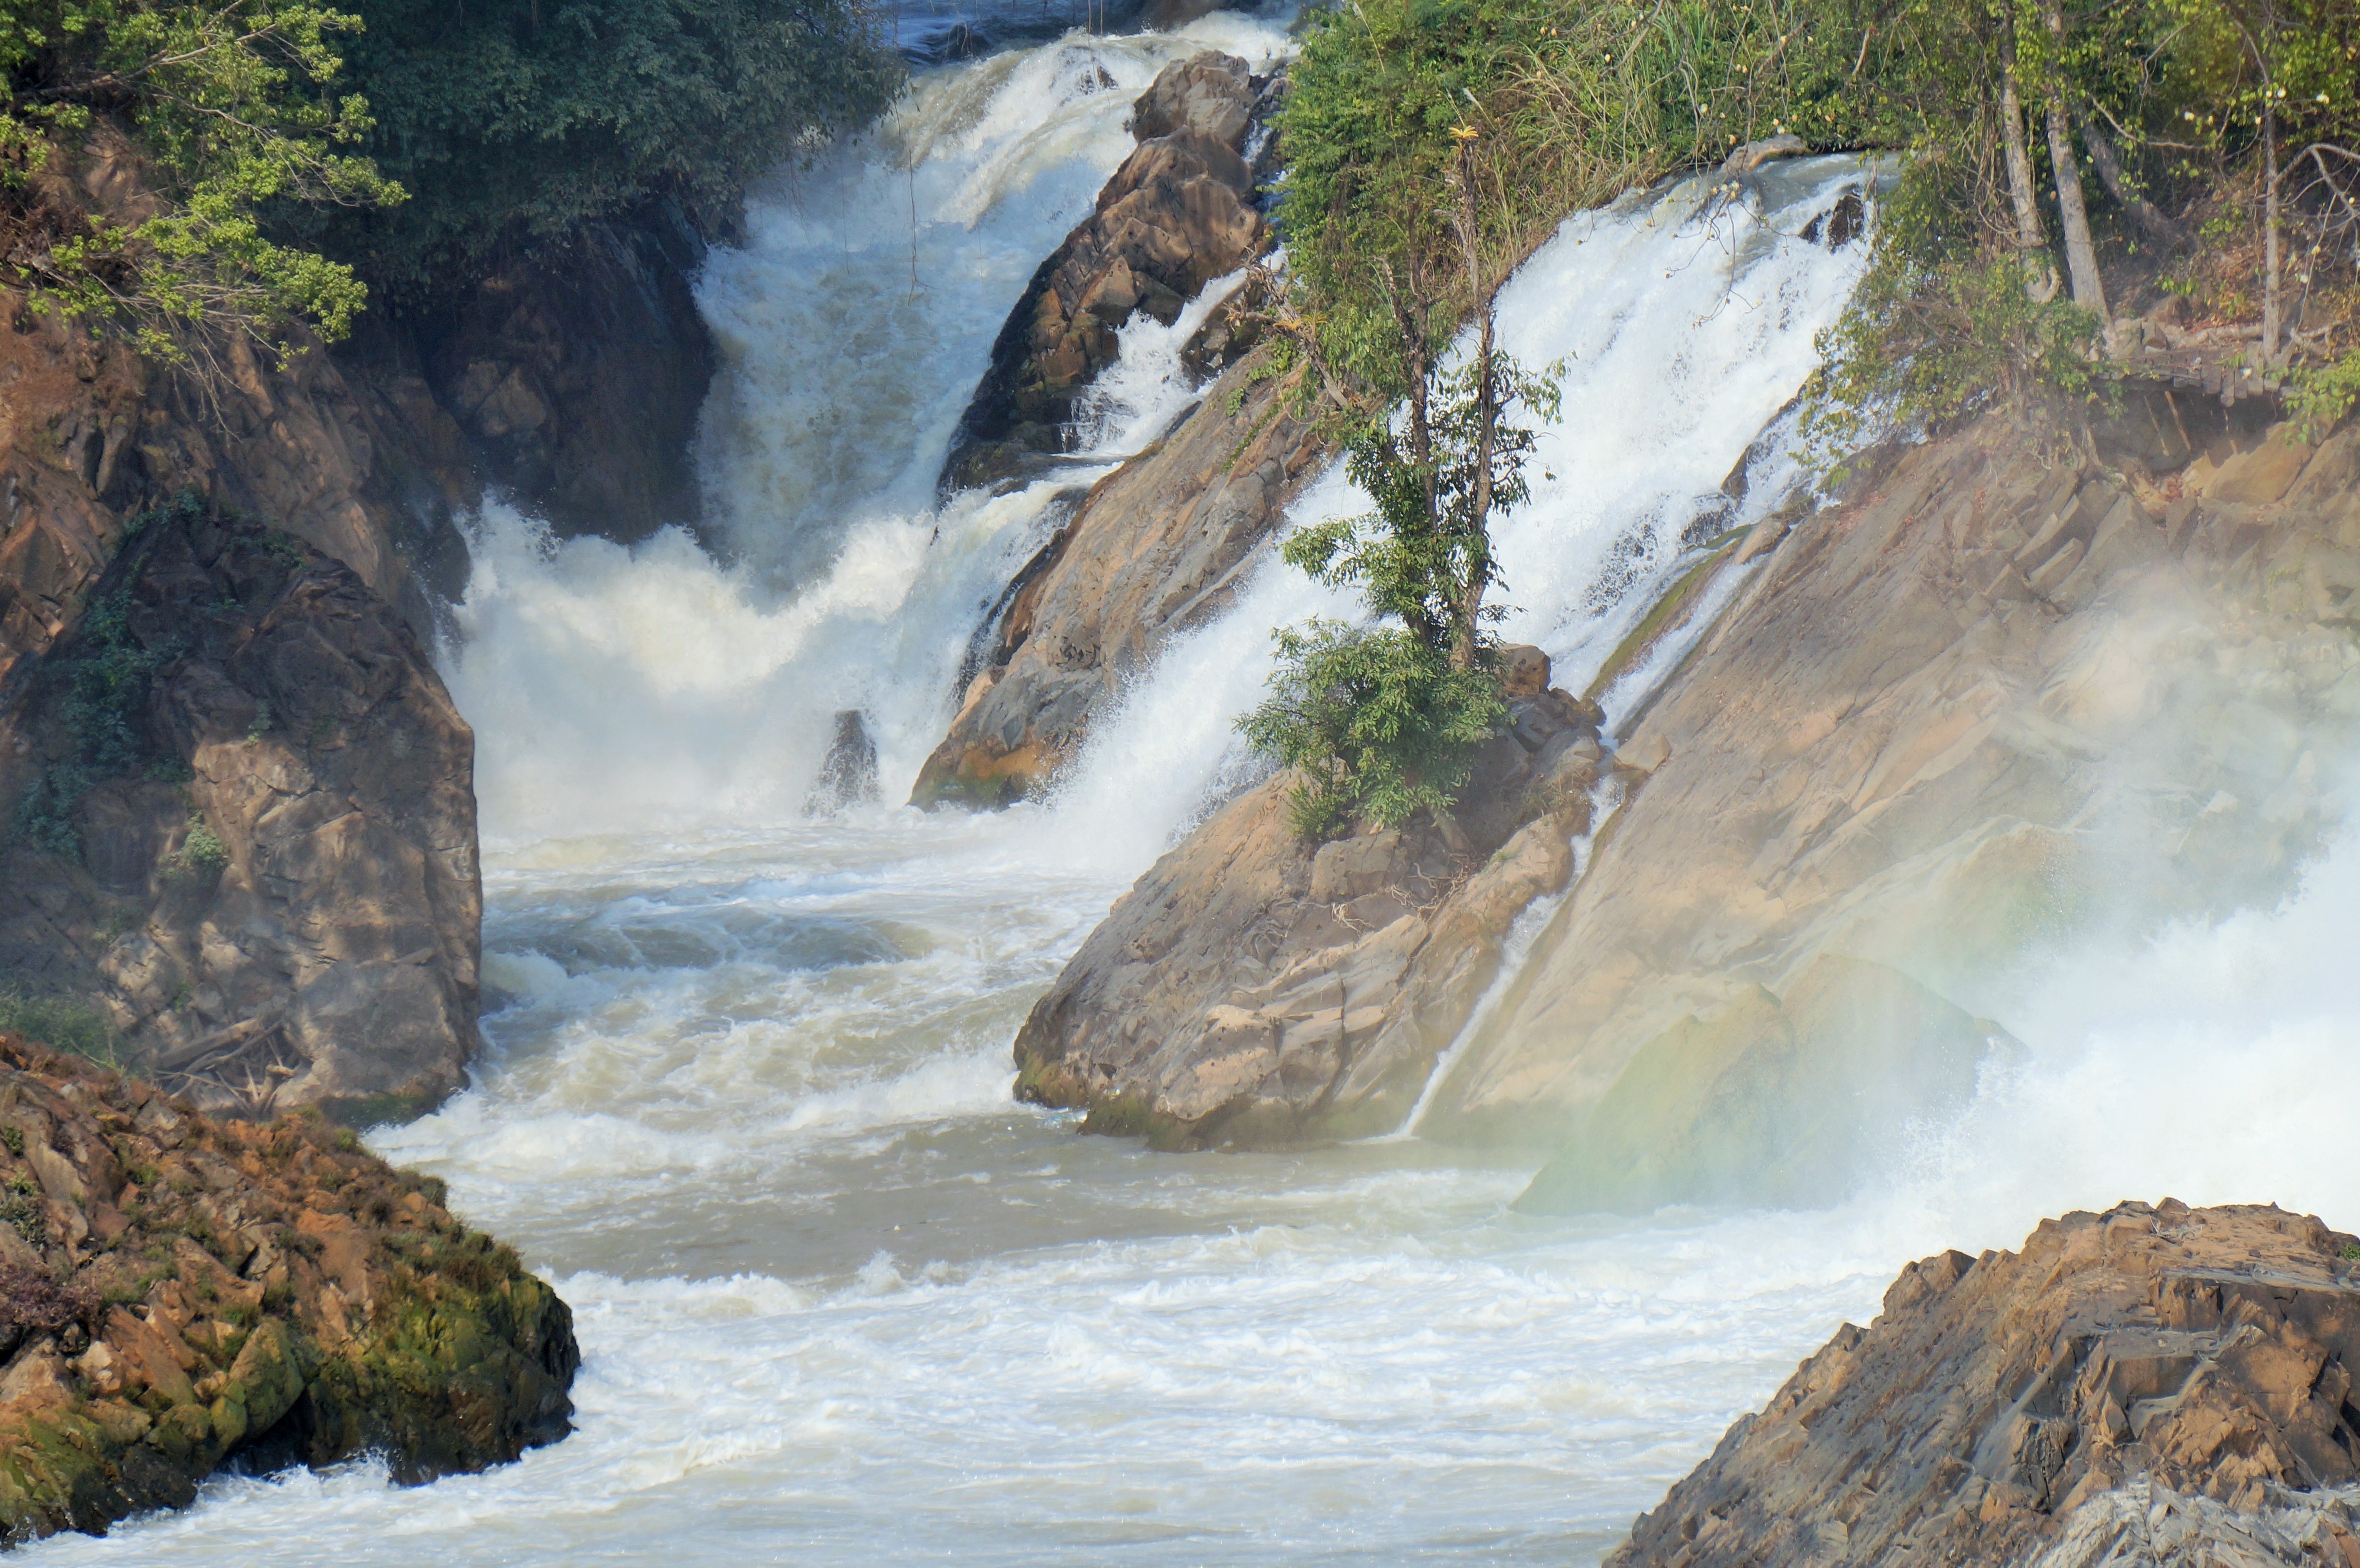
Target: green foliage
{"type": "Point", "coordinates": [1938, 330]}
{"type": "Point", "coordinates": [1379, 721]}
{"type": "Point", "coordinates": [1426, 540]}
{"type": "Point", "coordinates": [2319, 395]}
{"type": "Point", "coordinates": [513, 121]}
{"type": "Point", "coordinates": [20, 1207]}
{"type": "Point", "coordinates": [13, 1138]}
{"type": "Point", "coordinates": [1570, 104]}
{"type": "Point", "coordinates": [201, 854]}
{"type": "Point", "coordinates": [61, 1023]}
{"type": "Point", "coordinates": [229, 108]}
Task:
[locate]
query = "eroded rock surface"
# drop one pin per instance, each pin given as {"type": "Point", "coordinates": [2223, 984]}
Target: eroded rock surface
{"type": "Point", "coordinates": [245, 821]}
{"type": "Point", "coordinates": [176, 1292]}
{"type": "Point", "coordinates": [1159, 545]}
{"type": "Point", "coordinates": [2147, 1386]}
{"type": "Point", "coordinates": [1985, 705]}
{"type": "Point", "coordinates": [1179, 213]}
{"type": "Point", "coordinates": [1256, 988]}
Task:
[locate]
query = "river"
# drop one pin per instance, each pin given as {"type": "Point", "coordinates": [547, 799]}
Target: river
{"type": "Point", "coordinates": [745, 1094]}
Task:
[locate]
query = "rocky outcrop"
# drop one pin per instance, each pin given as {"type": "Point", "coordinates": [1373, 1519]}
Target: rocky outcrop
{"type": "Point", "coordinates": [1257, 988]}
{"type": "Point", "coordinates": [289, 915]}
{"type": "Point", "coordinates": [1947, 723]}
{"type": "Point", "coordinates": [1159, 545]}
{"type": "Point", "coordinates": [177, 1293]}
{"type": "Point", "coordinates": [1179, 213]}
{"type": "Point", "coordinates": [576, 377]}
{"type": "Point", "coordinates": [2145, 1387]}
{"type": "Point", "coordinates": [245, 823]}
{"type": "Point", "coordinates": [1939, 725]}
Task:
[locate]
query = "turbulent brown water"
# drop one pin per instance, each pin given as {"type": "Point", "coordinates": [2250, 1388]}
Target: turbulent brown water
{"type": "Point", "coordinates": [746, 1093]}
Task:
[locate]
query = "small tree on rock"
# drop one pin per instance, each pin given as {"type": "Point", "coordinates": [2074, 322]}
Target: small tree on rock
{"type": "Point", "coordinates": [1384, 718]}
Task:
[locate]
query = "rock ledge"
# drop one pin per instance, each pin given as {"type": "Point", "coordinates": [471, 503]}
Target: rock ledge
{"type": "Point", "coordinates": [178, 1293]}
{"type": "Point", "coordinates": [2149, 1385]}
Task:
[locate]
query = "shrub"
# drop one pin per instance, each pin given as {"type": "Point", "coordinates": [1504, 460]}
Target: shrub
{"type": "Point", "coordinates": [1379, 722]}
{"type": "Point", "coordinates": [61, 1023]}
{"type": "Point", "coordinates": [233, 107]}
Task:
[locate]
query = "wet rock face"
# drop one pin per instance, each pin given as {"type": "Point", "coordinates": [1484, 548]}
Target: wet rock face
{"type": "Point", "coordinates": [177, 1293]}
{"type": "Point", "coordinates": [1942, 727]}
{"type": "Point", "coordinates": [1257, 988]}
{"type": "Point", "coordinates": [1179, 213]}
{"type": "Point", "coordinates": [2147, 1386]}
{"type": "Point", "coordinates": [576, 379]}
{"type": "Point", "coordinates": [258, 849]}
{"type": "Point", "coordinates": [1153, 549]}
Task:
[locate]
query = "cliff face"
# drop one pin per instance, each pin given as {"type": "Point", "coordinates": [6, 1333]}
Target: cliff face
{"type": "Point", "coordinates": [246, 821]}
{"type": "Point", "coordinates": [319, 944]}
{"type": "Point", "coordinates": [2144, 1386]}
{"type": "Point", "coordinates": [1945, 718]}
{"type": "Point", "coordinates": [575, 379]}
{"type": "Point", "coordinates": [176, 1292]}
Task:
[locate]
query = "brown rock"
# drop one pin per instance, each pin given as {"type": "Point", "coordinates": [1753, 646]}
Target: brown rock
{"type": "Point", "coordinates": [322, 947]}
{"type": "Point", "coordinates": [1881, 752]}
{"type": "Point", "coordinates": [275, 1295]}
{"type": "Point", "coordinates": [2147, 1385]}
{"type": "Point", "coordinates": [1155, 548]}
{"type": "Point", "coordinates": [1178, 212]}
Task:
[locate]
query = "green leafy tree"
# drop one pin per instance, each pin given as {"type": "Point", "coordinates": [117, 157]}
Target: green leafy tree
{"type": "Point", "coordinates": [1383, 719]}
{"type": "Point", "coordinates": [513, 123]}
{"type": "Point", "coordinates": [214, 113]}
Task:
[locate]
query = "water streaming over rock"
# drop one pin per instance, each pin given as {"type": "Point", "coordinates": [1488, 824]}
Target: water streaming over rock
{"type": "Point", "coordinates": [746, 1090]}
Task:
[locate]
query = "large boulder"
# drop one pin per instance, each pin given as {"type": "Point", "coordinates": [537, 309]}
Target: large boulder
{"type": "Point", "coordinates": [1157, 546]}
{"type": "Point", "coordinates": [1179, 213]}
{"type": "Point", "coordinates": [1992, 700]}
{"type": "Point", "coordinates": [177, 1293]}
{"type": "Point", "coordinates": [245, 827]}
{"type": "Point", "coordinates": [2146, 1387]}
{"type": "Point", "coordinates": [1258, 988]}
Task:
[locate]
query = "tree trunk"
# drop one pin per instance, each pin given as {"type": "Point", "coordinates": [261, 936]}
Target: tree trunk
{"type": "Point", "coordinates": [2039, 271]}
{"type": "Point", "coordinates": [2158, 224]}
{"type": "Point", "coordinates": [1469, 609]}
{"type": "Point", "coordinates": [2081, 255]}
{"type": "Point", "coordinates": [2272, 318]}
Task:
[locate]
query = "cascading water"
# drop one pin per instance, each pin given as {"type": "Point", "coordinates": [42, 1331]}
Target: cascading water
{"type": "Point", "coordinates": [745, 1088]}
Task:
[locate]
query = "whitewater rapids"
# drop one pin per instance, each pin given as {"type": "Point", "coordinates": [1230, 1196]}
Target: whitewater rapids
{"type": "Point", "coordinates": [746, 1099]}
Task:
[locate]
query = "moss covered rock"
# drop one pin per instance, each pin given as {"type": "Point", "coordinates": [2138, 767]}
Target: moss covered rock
{"type": "Point", "coordinates": [178, 1293]}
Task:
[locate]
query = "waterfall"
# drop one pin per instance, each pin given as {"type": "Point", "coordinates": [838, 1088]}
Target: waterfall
{"type": "Point", "coordinates": [613, 689]}
{"type": "Point", "coordinates": [745, 1091]}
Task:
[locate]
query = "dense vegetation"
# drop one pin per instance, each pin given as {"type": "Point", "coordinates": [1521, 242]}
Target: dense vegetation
{"type": "Point", "coordinates": [511, 123]}
{"type": "Point", "coordinates": [2077, 181]}
{"type": "Point", "coordinates": [195, 174]}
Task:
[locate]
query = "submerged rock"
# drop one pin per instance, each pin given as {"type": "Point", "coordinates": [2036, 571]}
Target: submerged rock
{"type": "Point", "coordinates": [2145, 1387]}
{"type": "Point", "coordinates": [177, 1293]}
{"type": "Point", "coordinates": [849, 773]}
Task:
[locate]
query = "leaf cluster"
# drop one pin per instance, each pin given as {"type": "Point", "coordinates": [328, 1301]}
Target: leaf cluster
{"type": "Point", "coordinates": [210, 114]}
{"type": "Point", "coordinates": [513, 123]}
{"type": "Point", "coordinates": [1381, 724]}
